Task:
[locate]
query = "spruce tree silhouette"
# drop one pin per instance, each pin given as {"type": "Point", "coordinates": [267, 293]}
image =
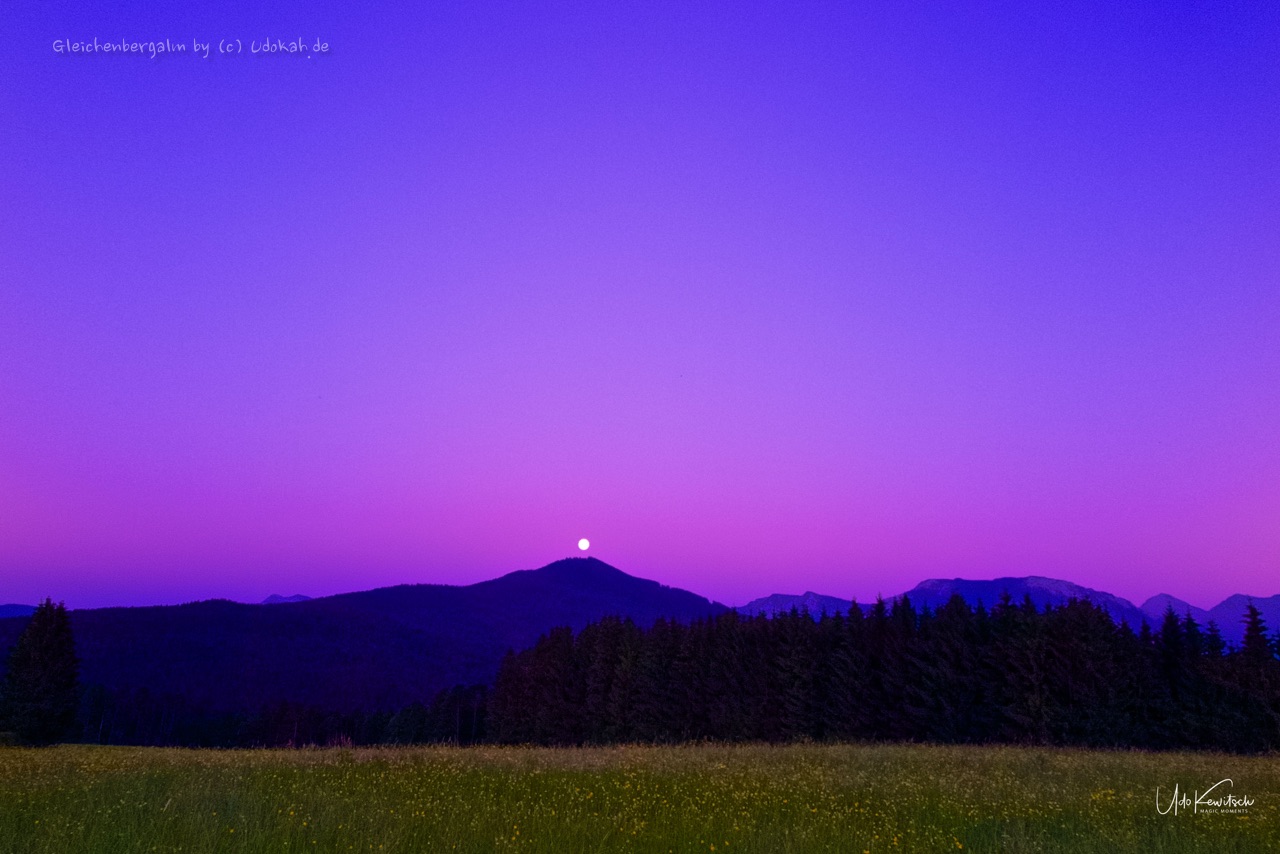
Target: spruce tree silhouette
{"type": "Point", "coordinates": [41, 690]}
{"type": "Point", "coordinates": [1256, 649]}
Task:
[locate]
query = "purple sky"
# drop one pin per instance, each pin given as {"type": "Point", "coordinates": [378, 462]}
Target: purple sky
{"type": "Point", "coordinates": [838, 298]}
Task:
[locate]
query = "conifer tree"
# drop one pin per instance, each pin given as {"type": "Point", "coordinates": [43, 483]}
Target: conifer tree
{"type": "Point", "coordinates": [1214, 645]}
{"type": "Point", "coordinates": [1256, 649]}
{"type": "Point", "coordinates": [1172, 644]}
{"type": "Point", "coordinates": [41, 689]}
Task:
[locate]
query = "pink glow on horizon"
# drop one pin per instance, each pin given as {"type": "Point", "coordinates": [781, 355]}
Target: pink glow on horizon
{"type": "Point", "coordinates": [828, 298]}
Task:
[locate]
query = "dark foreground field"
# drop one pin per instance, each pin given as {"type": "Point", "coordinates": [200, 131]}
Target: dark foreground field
{"type": "Point", "coordinates": [700, 798]}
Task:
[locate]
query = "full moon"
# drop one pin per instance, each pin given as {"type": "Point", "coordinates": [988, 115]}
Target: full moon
{"type": "Point", "coordinates": [584, 544]}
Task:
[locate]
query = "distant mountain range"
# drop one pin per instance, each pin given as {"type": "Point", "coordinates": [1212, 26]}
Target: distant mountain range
{"type": "Point", "coordinates": [389, 647]}
{"type": "Point", "coordinates": [780, 603]}
{"type": "Point", "coordinates": [935, 592]}
{"type": "Point", "coordinates": [1228, 613]}
{"type": "Point", "coordinates": [381, 648]}
{"type": "Point", "coordinates": [1043, 591]}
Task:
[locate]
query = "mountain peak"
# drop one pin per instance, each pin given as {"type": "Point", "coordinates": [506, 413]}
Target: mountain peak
{"type": "Point", "coordinates": [379, 648]}
{"type": "Point", "coordinates": [589, 562]}
{"type": "Point", "coordinates": [935, 592]}
{"type": "Point", "coordinates": [277, 599]}
{"type": "Point", "coordinates": [581, 575]}
{"type": "Point", "coordinates": [781, 603]}
{"type": "Point", "coordinates": [579, 569]}
{"type": "Point", "coordinates": [1157, 605]}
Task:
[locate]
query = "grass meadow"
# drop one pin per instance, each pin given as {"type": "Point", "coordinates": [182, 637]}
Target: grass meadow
{"type": "Point", "coordinates": [751, 798]}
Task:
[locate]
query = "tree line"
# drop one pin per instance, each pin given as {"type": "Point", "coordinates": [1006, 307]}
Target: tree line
{"type": "Point", "coordinates": [1064, 675]}
{"type": "Point", "coordinates": [42, 702]}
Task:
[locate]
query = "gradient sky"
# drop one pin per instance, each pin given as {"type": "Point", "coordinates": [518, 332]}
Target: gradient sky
{"type": "Point", "coordinates": [759, 297]}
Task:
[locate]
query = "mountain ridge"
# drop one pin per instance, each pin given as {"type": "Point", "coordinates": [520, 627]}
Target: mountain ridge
{"type": "Point", "coordinates": [934, 592]}
{"type": "Point", "coordinates": [815, 604]}
{"type": "Point", "coordinates": [380, 648]}
{"type": "Point", "coordinates": [389, 646]}
{"type": "Point", "coordinates": [277, 599]}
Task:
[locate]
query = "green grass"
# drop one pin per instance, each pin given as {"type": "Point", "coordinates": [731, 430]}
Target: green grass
{"type": "Point", "coordinates": [750, 798]}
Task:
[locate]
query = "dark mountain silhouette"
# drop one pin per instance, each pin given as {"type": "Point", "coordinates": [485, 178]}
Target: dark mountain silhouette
{"type": "Point", "coordinates": [277, 599]}
{"type": "Point", "coordinates": [781, 603]}
{"type": "Point", "coordinates": [1228, 614]}
{"type": "Point", "coordinates": [386, 648]}
{"type": "Point", "coordinates": [16, 611]}
{"type": "Point", "coordinates": [934, 593]}
{"type": "Point", "coordinates": [381, 648]}
{"type": "Point", "coordinates": [1043, 591]}
{"type": "Point", "coordinates": [1157, 605]}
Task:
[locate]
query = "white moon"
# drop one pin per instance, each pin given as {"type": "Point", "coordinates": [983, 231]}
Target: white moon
{"type": "Point", "coordinates": [584, 544]}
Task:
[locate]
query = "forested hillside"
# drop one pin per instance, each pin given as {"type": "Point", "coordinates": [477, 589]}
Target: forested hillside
{"type": "Point", "coordinates": [1065, 675]}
